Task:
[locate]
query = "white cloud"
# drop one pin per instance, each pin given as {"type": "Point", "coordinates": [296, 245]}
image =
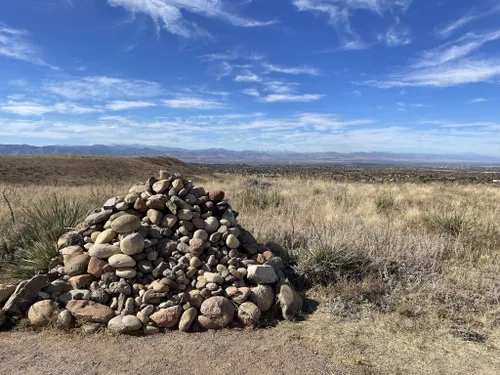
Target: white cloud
{"type": "Point", "coordinates": [446, 75]}
{"type": "Point", "coordinates": [456, 50]}
{"type": "Point", "coordinates": [272, 98]}
{"type": "Point", "coordinates": [247, 76]}
{"type": "Point", "coordinates": [14, 43]}
{"type": "Point", "coordinates": [357, 92]}
{"type": "Point", "coordinates": [120, 105]}
{"type": "Point", "coordinates": [251, 92]}
{"type": "Point", "coordinates": [101, 87]}
{"type": "Point", "coordinates": [37, 109]}
{"type": "Point", "coordinates": [477, 100]}
{"type": "Point", "coordinates": [169, 14]}
{"type": "Point", "coordinates": [461, 22]}
{"type": "Point", "coordinates": [292, 70]}
{"type": "Point", "coordinates": [186, 102]}
{"type": "Point", "coordinates": [395, 36]}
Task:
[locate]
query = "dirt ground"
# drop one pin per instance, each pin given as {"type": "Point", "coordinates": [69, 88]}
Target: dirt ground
{"type": "Point", "coordinates": [226, 352]}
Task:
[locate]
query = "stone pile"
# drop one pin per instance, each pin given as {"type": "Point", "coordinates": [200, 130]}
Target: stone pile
{"type": "Point", "coordinates": [167, 255]}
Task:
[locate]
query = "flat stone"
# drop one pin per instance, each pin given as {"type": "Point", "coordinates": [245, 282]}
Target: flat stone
{"type": "Point", "coordinates": [80, 281]}
{"type": "Point", "coordinates": [87, 310]}
{"type": "Point", "coordinates": [98, 217]}
{"type": "Point", "coordinates": [96, 267]}
{"type": "Point", "coordinates": [104, 251]}
{"type": "Point", "coordinates": [25, 294]}
{"type": "Point", "coordinates": [187, 319]}
{"type": "Point", "coordinates": [106, 236]}
{"type": "Point", "coordinates": [261, 274]}
{"type": "Point", "coordinates": [121, 261]}
{"type": "Point", "coordinates": [126, 273]}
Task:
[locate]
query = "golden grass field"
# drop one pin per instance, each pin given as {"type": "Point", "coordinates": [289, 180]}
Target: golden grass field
{"type": "Point", "coordinates": [404, 274]}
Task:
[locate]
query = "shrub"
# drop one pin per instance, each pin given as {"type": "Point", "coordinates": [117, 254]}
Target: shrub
{"type": "Point", "coordinates": [32, 242]}
{"type": "Point", "coordinates": [261, 198]}
{"type": "Point", "coordinates": [454, 222]}
{"type": "Point", "coordinates": [385, 202]}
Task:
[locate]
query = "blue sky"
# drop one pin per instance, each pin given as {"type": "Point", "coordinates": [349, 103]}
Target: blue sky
{"type": "Point", "coordinates": [301, 75]}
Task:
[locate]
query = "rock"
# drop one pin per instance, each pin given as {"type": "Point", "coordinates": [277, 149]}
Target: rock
{"type": "Point", "coordinates": [261, 274]}
{"type": "Point", "coordinates": [177, 184]}
{"type": "Point", "coordinates": [249, 314]}
{"type": "Point", "coordinates": [196, 246]}
{"type": "Point", "coordinates": [211, 224]}
{"type": "Point", "coordinates": [241, 295]}
{"type": "Point", "coordinates": [96, 267]}
{"type": "Point", "coordinates": [106, 236]}
{"type": "Point", "coordinates": [169, 221]}
{"type": "Point", "coordinates": [218, 309]}
{"type": "Point", "coordinates": [90, 328]}
{"type": "Point", "coordinates": [41, 313]}
{"type": "Point", "coordinates": [110, 203]}
{"type": "Point", "coordinates": [126, 273]}
{"type": "Point", "coordinates": [79, 281]}
{"type": "Point", "coordinates": [132, 244]}
{"type": "Point", "coordinates": [216, 196]}
{"type": "Point", "coordinates": [187, 319]}
{"type": "Point", "coordinates": [262, 296]}
{"type": "Point", "coordinates": [57, 287]}
{"type": "Point", "coordinates": [25, 294]}
{"type": "Point", "coordinates": [6, 291]}
{"type": "Point", "coordinates": [104, 251]}
{"type": "Point", "coordinates": [2, 318]}
{"type": "Point", "coordinates": [232, 241]}
{"type": "Point", "coordinates": [75, 294]}
{"type": "Point", "coordinates": [184, 214]}
{"type": "Point", "coordinates": [167, 318]}
{"type": "Point", "coordinates": [65, 319]}
{"type": "Point", "coordinates": [121, 261]}
{"type": "Point", "coordinates": [213, 278]}
{"type": "Point", "coordinates": [126, 224]}
{"type": "Point", "coordinates": [124, 324]}
{"type": "Point", "coordinates": [155, 216]}
{"type": "Point", "coordinates": [150, 330]}
{"type": "Point", "coordinates": [77, 265]}
{"type": "Point", "coordinates": [98, 217]}
{"type": "Point", "coordinates": [99, 295]}
{"type": "Point", "coordinates": [90, 311]}
{"type": "Point", "coordinates": [161, 186]}
{"type": "Point", "coordinates": [289, 300]}
{"type": "Point", "coordinates": [206, 323]}
{"type": "Point", "coordinates": [70, 239]}
{"type": "Point", "coordinates": [70, 252]}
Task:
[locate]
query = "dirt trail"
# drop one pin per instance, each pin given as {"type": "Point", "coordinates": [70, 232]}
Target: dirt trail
{"type": "Point", "coordinates": [226, 352]}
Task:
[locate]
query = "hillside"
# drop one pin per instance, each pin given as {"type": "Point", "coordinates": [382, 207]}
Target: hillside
{"type": "Point", "coordinates": [85, 170]}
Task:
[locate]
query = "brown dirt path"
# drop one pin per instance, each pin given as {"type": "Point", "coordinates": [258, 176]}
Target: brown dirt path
{"type": "Point", "coordinates": [225, 352]}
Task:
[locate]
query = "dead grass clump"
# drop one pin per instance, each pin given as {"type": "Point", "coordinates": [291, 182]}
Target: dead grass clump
{"type": "Point", "coordinates": [453, 222]}
{"type": "Point", "coordinates": [259, 197]}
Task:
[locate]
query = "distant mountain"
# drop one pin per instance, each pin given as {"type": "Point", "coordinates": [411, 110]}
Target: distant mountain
{"type": "Point", "coordinates": [220, 155]}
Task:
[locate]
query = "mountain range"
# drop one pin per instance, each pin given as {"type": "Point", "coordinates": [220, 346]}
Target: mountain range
{"type": "Point", "coordinates": [220, 155]}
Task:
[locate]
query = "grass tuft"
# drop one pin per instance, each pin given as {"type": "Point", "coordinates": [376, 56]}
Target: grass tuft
{"type": "Point", "coordinates": [259, 197]}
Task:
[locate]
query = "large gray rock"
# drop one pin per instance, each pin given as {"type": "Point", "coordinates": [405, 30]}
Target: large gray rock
{"type": "Point", "coordinates": [25, 294]}
{"type": "Point", "coordinates": [124, 324]}
{"type": "Point", "coordinates": [126, 224]}
{"type": "Point", "coordinates": [6, 291]}
{"type": "Point", "coordinates": [74, 295]}
{"type": "Point", "coordinates": [132, 244]}
{"type": "Point", "coordinates": [261, 274]}
{"type": "Point", "coordinates": [98, 217]}
{"type": "Point", "coordinates": [262, 296]}
{"type": "Point", "coordinates": [41, 313]}
{"type": "Point", "coordinates": [289, 300]}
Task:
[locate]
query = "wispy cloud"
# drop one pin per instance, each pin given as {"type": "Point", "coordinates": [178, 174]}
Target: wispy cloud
{"type": "Point", "coordinates": [273, 98]}
{"type": "Point", "coordinates": [120, 105]}
{"type": "Point", "coordinates": [247, 76]}
{"type": "Point", "coordinates": [251, 92]}
{"type": "Point", "coordinates": [338, 13]}
{"type": "Point", "coordinates": [187, 102]}
{"type": "Point", "coordinates": [291, 70]}
{"type": "Point", "coordinates": [477, 100]}
{"type": "Point", "coordinates": [15, 43]}
{"type": "Point", "coordinates": [463, 21]}
{"type": "Point", "coordinates": [102, 87]}
{"type": "Point", "coordinates": [37, 109]}
{"type": "Point", "coordinates": [169, 14]}
{"type": "Point", "coordinates": [395, 36]}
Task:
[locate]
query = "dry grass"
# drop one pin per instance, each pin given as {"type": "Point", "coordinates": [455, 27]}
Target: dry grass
{"type": "Point", "coordinates": [395, 267]}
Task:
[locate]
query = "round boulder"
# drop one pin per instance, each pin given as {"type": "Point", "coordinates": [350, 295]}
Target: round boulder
{"type": "Point", "coordinates": [126, 223]}
{"type": "Point", "coordinates": [132, 244]}
{"type": "Point", "coordinates": [262, 296]}
{"type": "Point", "coordinates": [219, 310]}
{"type": "Point", "coordinates": [41, 313]}
{"type": "Point", "coordinates": [249, 314]}
{"type": "Point", "coordinates": [121, 261]}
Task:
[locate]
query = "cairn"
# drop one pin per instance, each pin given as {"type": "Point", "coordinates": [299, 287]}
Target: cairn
{"type": "Point", "coordinates": [167, 255]}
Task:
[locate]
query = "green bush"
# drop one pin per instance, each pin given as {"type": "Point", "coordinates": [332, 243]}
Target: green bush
{"type": "Point", "coordinates": [31, 243]}
{"type": "Point", "coordinates": [261, 198]}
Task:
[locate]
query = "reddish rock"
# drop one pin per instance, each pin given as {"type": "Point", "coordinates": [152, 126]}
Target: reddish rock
{"type": "Point", "coordinates": [77, 265]}
{"type": "Point", "coordinates": [80, 281]}
{"type": "Point", "coordinates": [90, 311]}
{"type": "Point", "coordinates": [216, 196]}
{"type": "Point", "coordinates": [206, 323]}
{"type": "Point", "coordinates": [218, 309]}
{"type": "Point", "coordinates": [167, 318]}
{"type": "Point", "coordinates": [267, 255]}
{"type": "Point", "coordinates": [96, 267]}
